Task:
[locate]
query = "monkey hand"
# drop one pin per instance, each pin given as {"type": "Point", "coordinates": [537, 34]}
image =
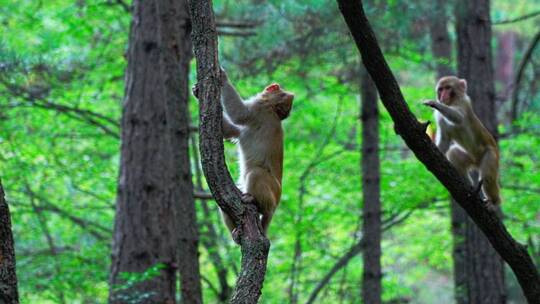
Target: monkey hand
{"type": "Point", "coordinates": [195, 91]}
{"type": "Point", "coordinates": [430, 103]}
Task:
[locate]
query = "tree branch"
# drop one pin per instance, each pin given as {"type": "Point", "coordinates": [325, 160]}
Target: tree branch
{"type": "Point", "coordinates": [411, 130]}
{"type": "Point", "coordinates": [520, 72]}
{"type": "Point", "coordinates": [255, 245]}
{"type": "Point", "coordinates": [517, 19]}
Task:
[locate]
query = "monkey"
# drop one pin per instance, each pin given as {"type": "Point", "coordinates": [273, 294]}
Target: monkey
{"type": "Point", "coordinates": [255, 125]}
{"type": "Point", "coordinates": [460, 135]}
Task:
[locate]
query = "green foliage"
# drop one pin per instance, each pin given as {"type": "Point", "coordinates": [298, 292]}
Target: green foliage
{"type": "Point", "coordinates": [61, 86]}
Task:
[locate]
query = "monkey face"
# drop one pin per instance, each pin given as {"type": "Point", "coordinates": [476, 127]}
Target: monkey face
{"type": "Point", "coordinates": [449, 88]}
{"type": "Point", "coordinates": [279, 100]}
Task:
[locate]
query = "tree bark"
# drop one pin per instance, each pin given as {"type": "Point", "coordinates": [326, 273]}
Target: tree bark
{"type": "Point", "coordinates": [371, 224]}
{"type": "Point", "coordinates": [413, 132]}
{"type": "Point", "coordinates": [8, 276]}
{"type": "Point", "coordinates": [441, 44]}
{"type": "Point", "coordinates": [155, 227]}
{"type": "Point", "coordinates": [241, 210]}
{"type": "Point", "coordinates": [480, 278]}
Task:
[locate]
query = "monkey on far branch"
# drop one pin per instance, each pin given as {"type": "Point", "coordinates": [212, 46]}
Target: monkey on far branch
{"type": "Point", "coordinates": [460, 134]}
{"type": "Point", "coordinates": [256, 125]}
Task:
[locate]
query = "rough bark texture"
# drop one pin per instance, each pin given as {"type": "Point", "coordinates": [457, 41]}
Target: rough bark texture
{"type": "Point", "coordinates": [441, 45]}
{"type": "Point", "coordinates": [255, 245]}
{"type": "Point", "coordinates": [155, 214]}
{"type": "Point", "coordinates": [371, 224]}
{"type": "Point", "coordinates": [8, 277]}
{"type": "Point", "coordinates": [413, 132]}
{"type": "Point", "coordinates": [480, 278]}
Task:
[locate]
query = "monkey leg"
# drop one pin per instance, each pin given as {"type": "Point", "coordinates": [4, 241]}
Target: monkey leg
{"type": "Point", "coordinates": [266, 190]}
{"type": "Point", "coordinates": [489, 174]}
{"type": "Point", "coordinates": [461, 160]}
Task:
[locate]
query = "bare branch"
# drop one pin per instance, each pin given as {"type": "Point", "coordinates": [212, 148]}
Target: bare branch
{"type": "Point", "coordinates": [517, 19]}
{"type": "Point", "coordinates": [411, 130]}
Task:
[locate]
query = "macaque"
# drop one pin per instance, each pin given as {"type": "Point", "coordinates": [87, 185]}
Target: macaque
{"type": "Point", "coordinates": [256, 125]}
{"type": "Point", "coordinates": [460, 134]}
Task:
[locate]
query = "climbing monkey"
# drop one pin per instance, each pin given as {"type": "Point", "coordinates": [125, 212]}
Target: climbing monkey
{"type": "Point", "coordinates": [256, 125]}
{"type": "Point", "coordinates": [460, 134]}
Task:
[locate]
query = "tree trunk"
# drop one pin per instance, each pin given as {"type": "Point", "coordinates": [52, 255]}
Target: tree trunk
{"type": "Point", "coordinates": [480, 278]}
{"type": "Point", "coordinates": [441, 45]}
{"type": "Point", "coordinates": [504, 70]}
{"type": "Point", "coordinates": [414, 134]}
{"type": "Point", "coordinates": [155, 218]}
{"type": "Point", "coordinates": [241, 209]}
{"type": "Point", "coordinates": [8, 276]}
{"type": "Point", "coordinates": [371, 225]}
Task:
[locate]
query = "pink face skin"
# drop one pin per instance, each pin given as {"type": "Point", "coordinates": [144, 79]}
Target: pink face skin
{"type": "Point", "coordinates": [282, 100]}
{"type": "Point", "coordinates": [449, 88]}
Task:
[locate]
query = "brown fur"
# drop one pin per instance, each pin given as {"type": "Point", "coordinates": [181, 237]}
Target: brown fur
{"type": "Point", "coordinates": [462, 136]}
{"type": "Point", "coordinates": [256, 124]}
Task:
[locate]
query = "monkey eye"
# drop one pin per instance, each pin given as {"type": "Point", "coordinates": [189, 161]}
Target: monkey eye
{"type": "Point", "coordinates": [272, 88]}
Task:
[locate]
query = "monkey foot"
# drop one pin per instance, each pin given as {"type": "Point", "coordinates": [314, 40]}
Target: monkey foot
{"type": "Point", "coordinates": [248, 198]}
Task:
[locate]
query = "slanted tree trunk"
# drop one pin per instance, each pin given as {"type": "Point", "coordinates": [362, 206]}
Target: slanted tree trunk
{"type": "Point", "coordinates": [155, 213]}
{"type": "Point", "coordinates": [480, 278]}
{"type": "Point", "coordinates": [371, 225]}
{"type": "Point", "coordinates": [8, 277]}
{"type": "Point", "coordinates": [413, 133]}
{"type": "Point", "coordinates": [241, 210]}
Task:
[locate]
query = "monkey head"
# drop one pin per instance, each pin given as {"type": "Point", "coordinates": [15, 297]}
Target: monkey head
{"type": "Point", "coordinates": [449, 88]}
{"type": "Point", "coordinates": [279, 100]}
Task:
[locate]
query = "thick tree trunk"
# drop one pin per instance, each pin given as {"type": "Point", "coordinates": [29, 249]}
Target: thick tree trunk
{"type": "Point", "coordinates": [441, 45]}
{"type": "Point", "coordinates": [155, 219]}
{"type": "Point", "coordinates": [504, 70]}
{"type": "Point", "coordinates": [371, 225]}
{"type": "Point", "coordinates": [414, 134]}
{"type": "Point", "coordinates": [481, 277]}
{"type": "Point", "coordinates": [8, 277]}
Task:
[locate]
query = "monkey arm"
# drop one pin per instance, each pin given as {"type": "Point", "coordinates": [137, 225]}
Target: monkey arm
{"type": "Point", "coordinates": [453, 115]}
{"type": "Point", "coordinates": [229, 129]}
{"type": "Point", "coordinates": [233, 105]}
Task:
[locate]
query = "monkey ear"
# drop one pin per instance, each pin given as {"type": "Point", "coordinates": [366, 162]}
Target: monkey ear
{"type": "Point", "coordinates": [272, 88]}
{"type": "Point", "coordinates": [463, 84]}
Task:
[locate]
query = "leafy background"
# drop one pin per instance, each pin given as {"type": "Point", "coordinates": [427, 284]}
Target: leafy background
{"type": "Point", "coordinates": [61, 85]}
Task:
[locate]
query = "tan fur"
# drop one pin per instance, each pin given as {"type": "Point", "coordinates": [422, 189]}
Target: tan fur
{"type": "Point", "coordinates": [462, 136]}
{"type": "Point", "coordinates": [256, 124]}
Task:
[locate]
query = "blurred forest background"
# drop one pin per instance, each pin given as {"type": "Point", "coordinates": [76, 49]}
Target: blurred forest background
{"type": "Point", "coordinates": [62, 67]}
